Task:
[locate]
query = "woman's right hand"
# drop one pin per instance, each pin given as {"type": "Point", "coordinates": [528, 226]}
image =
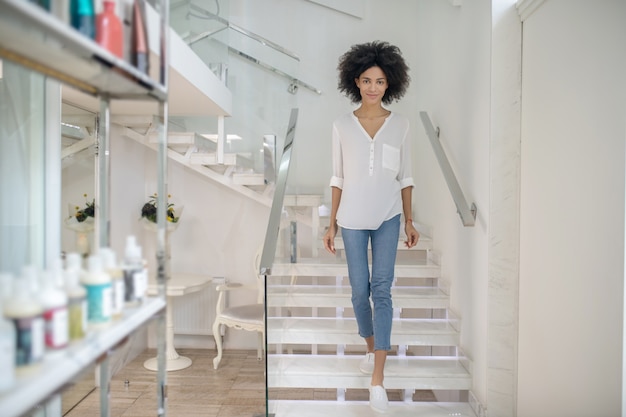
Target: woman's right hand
{"type": "Point", "coordinates": [329, 239]}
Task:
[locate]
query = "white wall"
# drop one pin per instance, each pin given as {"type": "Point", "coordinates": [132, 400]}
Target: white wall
{"type": "Point", "coordinates": [453, 86]}
{"type": "Point", "coordinates": [572, 210]}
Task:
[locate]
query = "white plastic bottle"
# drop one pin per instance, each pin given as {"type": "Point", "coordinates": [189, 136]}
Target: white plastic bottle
{"type": "Point", "coordinates": [54, 303]}
{"type": "Point", "coordinates": [135, 274]}
{"type": "Point", "coordinates": [98, 286]}
{"type": "Point", "coordinates": [7, 350]}
{"type": "Point", "coordinates": [109, 263]}
{"type": "Point", "coordinates": [26, 313]}
{"type": "Point", "coordinates": [76, 297]}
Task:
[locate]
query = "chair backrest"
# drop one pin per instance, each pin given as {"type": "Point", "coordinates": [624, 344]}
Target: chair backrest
{"type": "Point", "coordinates": [260, 278]}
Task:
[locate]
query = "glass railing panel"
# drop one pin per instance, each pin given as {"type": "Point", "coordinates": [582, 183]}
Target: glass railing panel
{"type": "Point", "coordinates": [259, 73]}
{"type": "Point", "coordinates": [204, 26]}
{"type": "Point", "coordinates": [279, 245]}
{"type": "Point", "coordinates": [22, 168]}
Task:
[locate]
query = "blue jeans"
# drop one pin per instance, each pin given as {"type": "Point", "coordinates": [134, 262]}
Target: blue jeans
{"type": "Point", "coordinates": [384, 241]}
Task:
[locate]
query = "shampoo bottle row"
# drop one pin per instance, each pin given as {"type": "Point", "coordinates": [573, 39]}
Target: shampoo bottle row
{"type": "Point", "coordinates": [42, 313]}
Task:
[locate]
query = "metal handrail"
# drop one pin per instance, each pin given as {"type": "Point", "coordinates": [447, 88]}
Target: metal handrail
{"type": "Point", "coordinates": [294, 81]}
{"type": "Point", "coordinates": [466, 212]}
{"type": "Point", "coordinates": [251, 35]}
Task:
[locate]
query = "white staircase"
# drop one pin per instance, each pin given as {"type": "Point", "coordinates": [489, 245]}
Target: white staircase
{"type": "Point", "coordinates": [314, 348]}
{"type": "Point", "coordinates": [200, 153]}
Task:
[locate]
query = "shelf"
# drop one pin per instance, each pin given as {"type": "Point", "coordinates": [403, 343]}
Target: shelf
{"type": "Point", "coordinates": [59, 368]}
{"type": "Point", "coordinates": [193, 90]}
{"type": "Point", "coordinates": [34, 38]}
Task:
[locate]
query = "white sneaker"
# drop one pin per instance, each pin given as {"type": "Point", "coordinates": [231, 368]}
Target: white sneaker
{"type": "Point", "coordinates": [378, 399]}
{"type": "Point", "coordinates": [367, 363]}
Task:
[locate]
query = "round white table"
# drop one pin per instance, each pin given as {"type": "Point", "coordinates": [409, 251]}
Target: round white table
{"type": "Point", "coordinates": [178, 285]}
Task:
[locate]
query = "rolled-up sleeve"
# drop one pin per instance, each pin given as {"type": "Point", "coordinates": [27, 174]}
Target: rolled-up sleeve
{"type": "Point", "coordinates": [405, 173]}
{"type": "Point", "coordinates": [337, 178]}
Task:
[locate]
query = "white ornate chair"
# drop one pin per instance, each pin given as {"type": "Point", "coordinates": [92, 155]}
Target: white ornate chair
{"type": "Point", "coordinates": [250, 317]}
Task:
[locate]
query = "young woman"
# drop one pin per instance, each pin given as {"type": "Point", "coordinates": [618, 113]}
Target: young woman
{"type": "Point", "coordinates": [371, 187]}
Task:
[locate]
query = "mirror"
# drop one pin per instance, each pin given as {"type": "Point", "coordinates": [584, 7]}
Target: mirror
{"type": "Point", "coordinates": [78, 153]}
{"type": "Point", "coordinates": [78, 130]}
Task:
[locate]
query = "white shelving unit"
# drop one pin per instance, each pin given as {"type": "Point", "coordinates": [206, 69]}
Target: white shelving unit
{"type": "Point", "coordinates": [59, 368]}
{"type": "Point", "coordinates": [32, 37]}
{"type": "Point", "coordinates": [35, 39]}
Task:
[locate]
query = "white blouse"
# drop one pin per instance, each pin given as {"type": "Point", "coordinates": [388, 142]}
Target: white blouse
{"type": "Point", "coordinates": [370, 172]}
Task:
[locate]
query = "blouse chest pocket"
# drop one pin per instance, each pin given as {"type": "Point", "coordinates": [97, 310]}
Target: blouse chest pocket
{"type": "Point", "coordinates": [391, 158]}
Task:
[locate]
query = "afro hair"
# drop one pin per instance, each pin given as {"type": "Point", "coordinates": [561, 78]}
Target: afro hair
{"type": "Point", "coordinates": [364, 56]}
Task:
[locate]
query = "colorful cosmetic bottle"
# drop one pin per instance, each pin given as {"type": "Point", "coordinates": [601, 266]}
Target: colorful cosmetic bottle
{"type": "Point", "coordinates": [109, 31]}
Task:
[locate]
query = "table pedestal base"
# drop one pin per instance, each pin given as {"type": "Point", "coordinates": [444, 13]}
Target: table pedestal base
{"type": "Point", "coordinates": [174, 364]}
{"type": "Point", "coordinates": [173, 361]}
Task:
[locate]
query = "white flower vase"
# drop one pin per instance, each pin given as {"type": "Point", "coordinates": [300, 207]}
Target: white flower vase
{"type": "Point", "coordinates": [83, 230]}
{"type": "Point", "coordinates": [171, 226]}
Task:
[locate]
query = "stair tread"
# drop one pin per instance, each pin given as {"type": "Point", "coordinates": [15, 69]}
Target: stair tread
{"type": "Point", "coordinates": [424, 243]}
{"type": "Point", "coordinates": [290, 408]}
{"type": "Point", "coordinates": [334, 331]}
{"type": "Point", "coordinates": [210, 158]}
{"type": "Point", "coordinates": [340, 296]}
{"type": "Point", "coordinates": [343, 291]}
{"type": "Point", "coordinates": [327, 266]}
{"type": "Point", "coordinates": [348, 325]}
{"type": "Point", "coordinates": [342, 371]}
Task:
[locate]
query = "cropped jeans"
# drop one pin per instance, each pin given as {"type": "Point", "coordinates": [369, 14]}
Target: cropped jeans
{"type": "Point", "coordinates": [384, 242]}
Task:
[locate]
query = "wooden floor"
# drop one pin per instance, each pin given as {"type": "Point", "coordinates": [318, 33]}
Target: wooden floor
{"type": "Point", "coordinates": [236, 389]}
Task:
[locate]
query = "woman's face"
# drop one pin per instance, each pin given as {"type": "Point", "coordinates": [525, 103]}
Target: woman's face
{"type": "Point", "coordinates": [372, 83]}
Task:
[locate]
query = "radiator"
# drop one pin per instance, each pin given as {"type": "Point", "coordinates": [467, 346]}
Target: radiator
{"type": "Point", "coordinates": [194, 313]}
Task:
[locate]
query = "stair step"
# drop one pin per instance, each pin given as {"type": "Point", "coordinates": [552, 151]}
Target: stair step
{"type": "Point", "coordinates": [302, 200]}
{"type": "Point", "coordinates": [290, 408]}
{"type": "Point", "coordinates": [245, 178]}
{"type": "Point", "coordinates": [330, 267]}
{"type": "Point", "coordinates": [176, 138]}
{"type": "Point", "coordinates": [425, 243]}
{"type": "Point", "coordinates": [210, 158]}
{"type": "Point", "coordinates": [342, 371]}
{"type": "Point", "coordinates": [340, 296]}
{"type": "Point", "coordinates": [333, 331]}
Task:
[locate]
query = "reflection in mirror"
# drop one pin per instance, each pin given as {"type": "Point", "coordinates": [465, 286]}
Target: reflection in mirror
{"type": "Point", "coordinates": [78, 128]}
{"type": "Point", "coordinates": [78, 141]}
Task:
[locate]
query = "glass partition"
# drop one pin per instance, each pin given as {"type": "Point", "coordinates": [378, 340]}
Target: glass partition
{"type": "Point", "coordinates": [22, 168]}
{"type": "Point", "coordinates": [280, 243]}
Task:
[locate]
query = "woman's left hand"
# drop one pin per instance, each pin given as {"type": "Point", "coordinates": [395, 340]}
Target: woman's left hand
{"type": "Point", "coordinates": [412, 235]}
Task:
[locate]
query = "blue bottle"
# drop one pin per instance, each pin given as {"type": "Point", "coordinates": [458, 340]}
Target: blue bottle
{"type": "Point", "coordinates": [83, 17]}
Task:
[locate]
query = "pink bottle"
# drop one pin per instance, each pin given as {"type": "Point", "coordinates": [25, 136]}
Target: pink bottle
{"type": "Point", "coordinates": [109, 32]}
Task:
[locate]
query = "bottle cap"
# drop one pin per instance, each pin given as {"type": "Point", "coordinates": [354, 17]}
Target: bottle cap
{"type": "Point", "coordinates": [133, 250]}
{"type": "Point", "coordinates": [108, 258]}
{"type": "Point", "coordinates": [73, 261]}
{"type": "Point", "coordinates": [94, 264]}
